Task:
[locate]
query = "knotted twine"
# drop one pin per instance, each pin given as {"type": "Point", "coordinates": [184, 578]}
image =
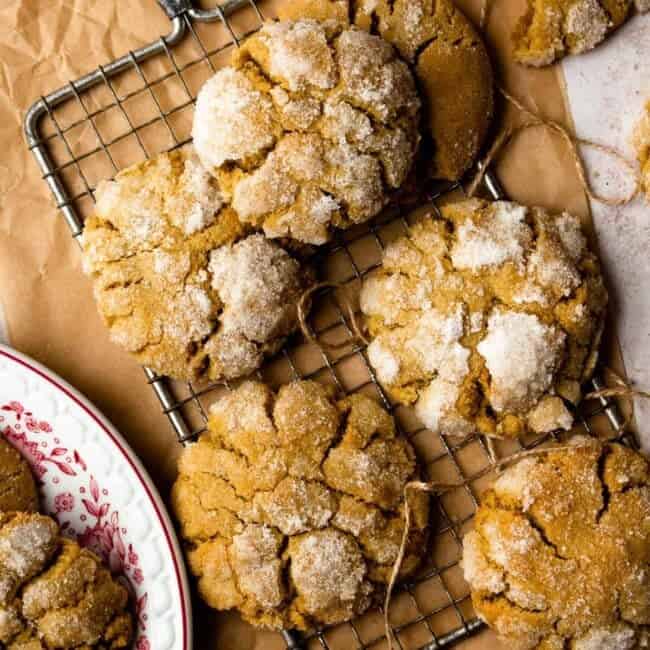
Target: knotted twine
{"type": "Point", "coordinates": [533, 120]}
{"type": "Point", "coordinates": [623, 390]}
{"type": "Point", "coordinates": [442, 488]}
{"type": "Point", "coordinates": [304, 304]}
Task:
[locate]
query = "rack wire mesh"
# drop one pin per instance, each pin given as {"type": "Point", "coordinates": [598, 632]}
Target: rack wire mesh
{"type": "Point", "coordinates": [141, 104]}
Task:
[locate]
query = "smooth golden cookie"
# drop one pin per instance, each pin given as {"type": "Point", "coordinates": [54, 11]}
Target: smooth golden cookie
{"type": "Point", "coordinates": [177, 281]}
{"type": "Point", "coordinates": [641, 142]}
{"type": "Point", "coordinates": [560, 549]}
{"type": "Point", "coordinates": [292, 505]}
{"type": "Point", "coordinates": [449, 62]}
{"type": "Point", "coordinates": [487, 318]}
{"type": "Point", "coordinates": [551, 29]}
{"type": "Point", "coordinates": [312, 127]}
{"type": "Point", "coordinates": [18, 488]}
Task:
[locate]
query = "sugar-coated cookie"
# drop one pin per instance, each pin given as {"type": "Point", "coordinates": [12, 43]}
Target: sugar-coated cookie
{"type": "Point", "coordinates": [487, 318]}
{"type": "Point", "coordinates": [54, 594]}
{"type": "Point", "coordinates": [292, 505]}
{"type": "Point", "coordinates": [312, 127]}
{"type": "Point", "coordinates": [449, 61]}
{"type": "Point", "coordinates": [551, 29]}
{"type": "Point", "coordinates": [178, 281]}
{"type": "Point", "coordinates": [559, 554]}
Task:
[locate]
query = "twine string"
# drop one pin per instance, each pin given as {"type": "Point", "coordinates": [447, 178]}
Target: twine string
{"type": "Point", "coordinates": [486, 8]}
{"type": "Point", "coordinates": [439, 489]}
{"type": "Point", "coordinates": [622, 390]}
{"type": "Point", "coordinates": [533, 120]}
{"type": "Point", "coordinates": [304, 305]}
{"type": "Point", "coordinates": [419, 486]}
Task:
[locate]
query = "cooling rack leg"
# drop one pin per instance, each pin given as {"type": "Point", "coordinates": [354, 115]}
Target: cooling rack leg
{"type": "Point", "coordinates": [163, 393]}
{"type": "Point", "coordinates": [493, 186]}
{"type": "Point", "coordinates": [290, 638]}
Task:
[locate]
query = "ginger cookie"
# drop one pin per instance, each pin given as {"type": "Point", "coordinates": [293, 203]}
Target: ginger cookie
{"type": "Point", "coordinates": [641, 142]}
{"type": "Point", "coordinates": [177, 281]}
{"type": "Point", "coordinates": [449, 61]}
{"type": "Point", "coordinates": [559, 553]}
{"type": "Point", "coordinates": [487, 319]}
{"type": "Point", "coordinates": [551, 29]}
{"type": "Point", "coordinates": [313, 127]}
{"type": "Point", "coordinates": [18, 492]}
{"type": "Point", "coordinates": [53, 593]}
{"type": "Point", "coordinates": [292, 505]}
{"type": "Point", "coordinates": [27, 543]}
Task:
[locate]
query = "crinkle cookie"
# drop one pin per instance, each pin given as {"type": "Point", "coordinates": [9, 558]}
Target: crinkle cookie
{"type": "Point", "coordinates": [174, 279]}
{"type": "Point", "coordinates": [312, 127]}
{"type": "Point", "coordinates": [449, 61]}
{"type": "Point", "coordinates": [551, 29]}
{"type": "Point", "coordinates": [291, 505]}
{"type": "Point", "coordinates": [53, 593]}
{"type": "Point", "coordinates": [27, 543]}
{"type": "Point", "coordinates": [641, 141]}
{"type": "Point", "coordinates": [487, 319]}
{"type": "Point", "coordinates": [17, 486]}
{"type": "Point", "coordinates": [559, 554]}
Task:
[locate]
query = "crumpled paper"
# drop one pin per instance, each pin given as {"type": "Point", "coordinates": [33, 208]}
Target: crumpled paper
{"type": "Point", "coordinates": [46, 299]}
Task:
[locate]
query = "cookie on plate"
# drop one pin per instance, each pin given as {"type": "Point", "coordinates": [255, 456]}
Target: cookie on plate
{"type": "Point", "coordinates": [449, 61]}
{"type": "Point", "coordinates": [641, 141]}
{"type": "Point", "coordinates": [312, 127]}
{"type": "Point", "coordinates": [18, 491]}
{"type": "Point", "coordinates": [176, 279]}
{"type": "Point", "coordinates": [487, 318]}
{"type": "Point", "coordinates": [560, 549]}
{"type": "Point", "coordinates": [292, 504]}
{"type": "Point", "coordinates": [28, 541]}
{"type": "Point", "coordinates": [551, 29]}
{"type": "Point", "coordinates": [53, 593]}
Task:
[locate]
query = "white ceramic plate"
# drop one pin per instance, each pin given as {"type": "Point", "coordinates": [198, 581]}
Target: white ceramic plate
{"type": "Point", "coordinates": [99, 492]}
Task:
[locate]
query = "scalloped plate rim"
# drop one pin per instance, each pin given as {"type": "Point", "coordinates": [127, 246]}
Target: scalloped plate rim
{"type": "Point", "coordinates": [122, 446]}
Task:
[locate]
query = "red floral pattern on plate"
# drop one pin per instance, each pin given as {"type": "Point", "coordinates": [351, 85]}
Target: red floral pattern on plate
{"type": "Point", "coordinates": [88, 518]}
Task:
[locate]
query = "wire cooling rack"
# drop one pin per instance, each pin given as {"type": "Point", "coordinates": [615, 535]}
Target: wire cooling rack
{"type": "Point", "coordinates": [141, 104]}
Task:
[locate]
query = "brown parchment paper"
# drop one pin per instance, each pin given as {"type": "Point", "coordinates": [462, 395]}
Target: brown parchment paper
{"type": "Point", "coordinates": [47, 301]}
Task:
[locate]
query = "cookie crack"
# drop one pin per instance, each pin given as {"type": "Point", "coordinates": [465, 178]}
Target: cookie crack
{"type": "Point", "coordinates": [505, 594]}
{"type": "Point", "coordinates": [502, 597]}
{"type": "Point", "coordinates": [123, 284]}
{"type": "Point", "coordinates": [225, 508]}
{"type": "Point", "coordinates": [536, 524]}
{"type": "Point", "coordinates": [422, 47]}
{"type": "Point", "coordinates": [605, 492]}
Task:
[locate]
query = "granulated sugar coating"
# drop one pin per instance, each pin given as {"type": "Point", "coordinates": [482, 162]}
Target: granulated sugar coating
{"type": "Point", "coordinates": [292, 505]}
{"type": "Point", "coordinates": [550, 29]}
{"type": "Point", "coordinates": [313, 127]}
{"type": "Point", "coordinates": [175, 278]}
{"type": "Point", "coordinates": [27, 543]}
{"type": "Point", "coordinates": [449, 62]}
{"type": "Point", "coordinates": [487, 319]}
{"type": "Point", "coordinates": [559, 553]}
{"type": "Point", "coordinates": [61, 596]}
